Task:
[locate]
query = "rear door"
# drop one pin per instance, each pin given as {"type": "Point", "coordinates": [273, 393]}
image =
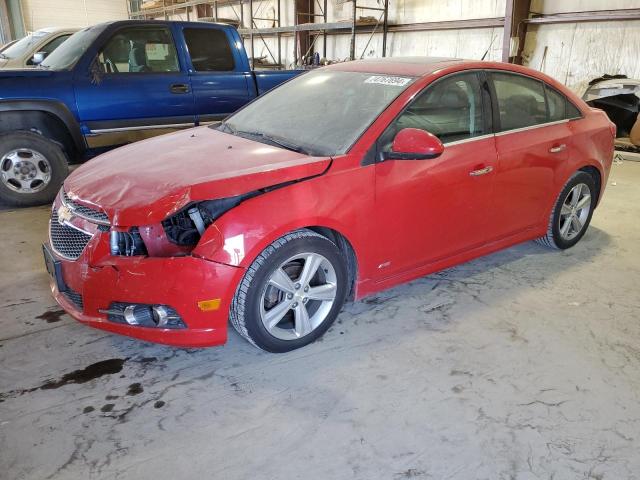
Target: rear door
{"type": "Point", "coordinates": [428, 210]}
{"type": "Point", "coordinates": [533, 140]}
{"type": "Point", "coordinates": [137, 88]}
{"type": "Point", "coordinates": [219, 71]}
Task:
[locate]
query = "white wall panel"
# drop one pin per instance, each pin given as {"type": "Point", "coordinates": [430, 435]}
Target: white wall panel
{"type": "Point", "coordinates": [576, 53]}
{"type": "Point", "coordinates": [71, 13]}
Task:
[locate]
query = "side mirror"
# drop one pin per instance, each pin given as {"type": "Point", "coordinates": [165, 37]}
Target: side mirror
{"type": "Point", "coordinates": [38, 58]}
{"type": "Point", "coordinates": [415, 144]}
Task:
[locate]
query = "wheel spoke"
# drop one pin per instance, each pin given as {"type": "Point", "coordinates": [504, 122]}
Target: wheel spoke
{"type": "Point", "coordinates": [564, 230]}
{"type": "Point", "coordinates": [577, 224]}
{"type": "Point", "coordinates": [311, 264]}
{"type": "Point", "coordinates": [281, 281]}
{"type": "Point", "coordinates": [326, 292]}
{"type": "Point", "coordinates": [275, 315]}
{"type": "Point", "coordinates": [566, 209]}
{"type": "Point", "coordinates": [583, 202]}
{"type": "Point", "coordinates": [577, 191]}
{"type": "Point", "coordinates": [302, 321]}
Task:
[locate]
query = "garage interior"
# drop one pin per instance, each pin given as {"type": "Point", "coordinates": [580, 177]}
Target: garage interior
{"type": "Point", "coordinates": [523, 364]}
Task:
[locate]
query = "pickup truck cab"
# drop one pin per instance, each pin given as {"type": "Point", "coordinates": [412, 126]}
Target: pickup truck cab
{"type": "Point", "coordinates": [37, 45]}
{"type": "Point", "coordinates": [113, 84]}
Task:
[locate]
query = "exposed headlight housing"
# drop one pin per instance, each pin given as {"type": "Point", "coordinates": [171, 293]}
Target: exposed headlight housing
{"type": "Point", "coordinates": [127, 244]}
{"type": "Point", "coordinates": [185, 227]}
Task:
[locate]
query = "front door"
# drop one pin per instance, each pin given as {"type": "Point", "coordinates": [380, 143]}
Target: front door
{"type": "Point", "coordinates": [136, 89]}
{"type": "Point", "coordinates": [432, 209]}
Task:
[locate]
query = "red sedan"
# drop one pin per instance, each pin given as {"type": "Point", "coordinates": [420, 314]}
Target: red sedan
{"type": "Point", "coordinates": [344, 181]}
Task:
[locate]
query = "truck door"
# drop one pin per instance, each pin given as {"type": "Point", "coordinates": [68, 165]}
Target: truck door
{"type": "Point", "coordinates": [220, 76]}
{"type": "Point", "coordinates": [139, 89]}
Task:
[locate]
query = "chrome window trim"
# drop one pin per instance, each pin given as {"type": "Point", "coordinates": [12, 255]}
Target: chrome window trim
{"type": "Point", "coordinates": [470, 139]}
{"type": "Point", "coordinates": [532, 127]}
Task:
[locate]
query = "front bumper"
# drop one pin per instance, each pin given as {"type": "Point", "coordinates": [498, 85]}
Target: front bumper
{"type": "Point", "coordinates": [179, 282]}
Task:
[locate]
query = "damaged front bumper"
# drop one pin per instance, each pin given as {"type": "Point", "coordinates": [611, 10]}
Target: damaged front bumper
{"type": "Point", "coordinates": [199, 291]}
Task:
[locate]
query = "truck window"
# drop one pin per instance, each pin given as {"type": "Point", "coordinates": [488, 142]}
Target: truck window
{"type": "Point", "coordinates": [140, 50]}
{"type": "Point", "coordinates": [209, 50]}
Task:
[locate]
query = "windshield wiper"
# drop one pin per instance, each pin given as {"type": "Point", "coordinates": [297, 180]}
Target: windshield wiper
{"type": "Point", "coordinates": [3, 56]}
{"type": "Point", "coordinates": [279, 142]}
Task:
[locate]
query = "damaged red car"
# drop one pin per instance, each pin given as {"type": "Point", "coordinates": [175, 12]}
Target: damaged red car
{"type": "Point", "coordinates": [342, 182]}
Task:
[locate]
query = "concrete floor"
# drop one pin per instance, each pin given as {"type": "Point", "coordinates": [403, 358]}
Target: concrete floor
{"type": "Point", "coordinates": [521, 365]}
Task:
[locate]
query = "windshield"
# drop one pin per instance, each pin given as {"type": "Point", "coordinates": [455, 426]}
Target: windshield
{"type": "Point", "coordinates": [320, 113]}
{"type": "Point", "coordinates": [67, 54]}
{"type": "Point", "coordinates": [24, 45]}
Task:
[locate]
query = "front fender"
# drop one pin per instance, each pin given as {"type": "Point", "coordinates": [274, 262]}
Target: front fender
{"type": "Point", "coordinates": [341, 202]}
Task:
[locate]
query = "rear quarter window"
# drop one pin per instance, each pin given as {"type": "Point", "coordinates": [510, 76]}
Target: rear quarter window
{"type": "Point", "coordinates": [209, 50]}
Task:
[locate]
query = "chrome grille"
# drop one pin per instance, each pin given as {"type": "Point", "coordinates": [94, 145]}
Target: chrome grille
{"type": "Point", "coordinates": [67, 241]}
{"type": "Point", "coordinates": [75, 298]}
{"type": "Point", "coordinates": [83, 211]}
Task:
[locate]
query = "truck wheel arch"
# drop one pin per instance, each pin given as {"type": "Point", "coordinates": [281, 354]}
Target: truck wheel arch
{"type": "Point", "coordinates": [49, 118]}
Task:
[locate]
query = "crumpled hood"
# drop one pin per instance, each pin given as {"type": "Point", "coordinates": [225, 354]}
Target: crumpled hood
{"type": "Point", "coordinates": [143, 183]}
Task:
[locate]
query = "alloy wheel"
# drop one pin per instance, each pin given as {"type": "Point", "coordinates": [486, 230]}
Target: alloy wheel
{"type": "Point", "coordinates": [298, 296]}
{"type": "Point", "coordinates": [575, 211]}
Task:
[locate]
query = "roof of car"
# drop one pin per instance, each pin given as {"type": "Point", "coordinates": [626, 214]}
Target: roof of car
{"type": "Point", "coordinates": [58, 29]}
{"type": "Point", "coordinates": [412, 66]}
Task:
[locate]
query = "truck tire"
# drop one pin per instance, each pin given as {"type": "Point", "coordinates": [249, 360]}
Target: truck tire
{"type": "Point", "coordinates": [32, 169]}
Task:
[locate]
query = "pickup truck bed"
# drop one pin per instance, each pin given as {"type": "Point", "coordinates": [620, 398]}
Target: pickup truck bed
{"type": "Point", "coordinates": [116, 83]}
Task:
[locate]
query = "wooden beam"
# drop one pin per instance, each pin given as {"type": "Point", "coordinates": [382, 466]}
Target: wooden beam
{"type": "Point", "coordinates": [305, 11]}
{"type": "Point", "coordinates": [517, 11]}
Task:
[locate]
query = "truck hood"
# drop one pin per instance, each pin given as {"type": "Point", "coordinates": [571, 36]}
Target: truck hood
{"type": "Point", "coordinates": [143, 183]}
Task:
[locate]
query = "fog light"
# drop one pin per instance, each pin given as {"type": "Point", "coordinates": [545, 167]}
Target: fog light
{"type": "Point", "coordinates": [143, 315]}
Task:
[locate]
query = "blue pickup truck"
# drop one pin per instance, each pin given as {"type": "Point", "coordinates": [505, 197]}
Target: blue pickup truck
{"type": "Point", "coordinates": [112, 84]}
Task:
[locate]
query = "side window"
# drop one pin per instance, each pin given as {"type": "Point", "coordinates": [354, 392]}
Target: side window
{"type": "Point", "coordinates": [560, 107]}
{"type": "Point", "coordinates": [51, 46]}
{"type": "Point", "coordinates": [55, 43]}
{"type": "Point", "coordinates": [521, 101]}
{"type": "Point", "coordinates": [451, 109]}
{"type": "Point", "coordinates": [140, 50]}
{"type": "Point", "coordinates": [557, 104]}
{"type": "Point", "coordinates": [209, 50]}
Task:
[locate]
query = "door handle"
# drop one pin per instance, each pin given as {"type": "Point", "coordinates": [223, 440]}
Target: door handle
{"type": "Point", "coordinates": [557, 148]}
{"type": "Point", "coordinates": [482, 171]}
{"type": "Point", "coordinates": [179, 88]}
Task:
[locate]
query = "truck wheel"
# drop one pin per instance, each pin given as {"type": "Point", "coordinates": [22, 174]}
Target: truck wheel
{"type": "Point", "coordinates": [32, 169]}
{"type": "Point", "coordinates": [291, 293]}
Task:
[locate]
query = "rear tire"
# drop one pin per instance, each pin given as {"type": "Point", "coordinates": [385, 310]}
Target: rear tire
{"type": "Point", "coordinates": [291, 293]}
{"type": "Point", "coordinates": [571, 213]}
{"type": "Point", "coordinates": [32, 169]}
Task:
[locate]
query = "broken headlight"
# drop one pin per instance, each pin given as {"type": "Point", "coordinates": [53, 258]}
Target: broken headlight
{"type": "Point", "coordinates": [185, 227]}
{"type": "Point", "coordinates": [127, 244]}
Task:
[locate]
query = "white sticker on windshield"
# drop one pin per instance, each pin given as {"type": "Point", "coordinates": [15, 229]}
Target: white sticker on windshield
{"type": "Point", "coordinates": [387, 80]}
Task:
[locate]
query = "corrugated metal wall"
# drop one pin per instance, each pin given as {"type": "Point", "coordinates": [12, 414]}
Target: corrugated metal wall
{"type": "Point", "coordinates": [71, 13]}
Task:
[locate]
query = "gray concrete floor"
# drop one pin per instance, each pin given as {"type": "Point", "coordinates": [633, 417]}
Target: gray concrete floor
{"type": "Point", "coordinates": [521, 365]}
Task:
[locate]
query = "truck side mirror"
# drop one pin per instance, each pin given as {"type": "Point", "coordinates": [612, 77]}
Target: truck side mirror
{"type": "Point", "coordinates": [38, 58]}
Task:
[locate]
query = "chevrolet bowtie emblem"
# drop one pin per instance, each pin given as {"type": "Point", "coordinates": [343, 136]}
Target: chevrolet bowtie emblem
{"type": "Point", "coordinates": [64, 214]}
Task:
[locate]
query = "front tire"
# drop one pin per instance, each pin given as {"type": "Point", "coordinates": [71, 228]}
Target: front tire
{"type": "Point", "coordinates": [291, 293]}
{"type": "Point", "coordinates": [572, 212]}
{"type": "Point", "coordinates": [32, 169]}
